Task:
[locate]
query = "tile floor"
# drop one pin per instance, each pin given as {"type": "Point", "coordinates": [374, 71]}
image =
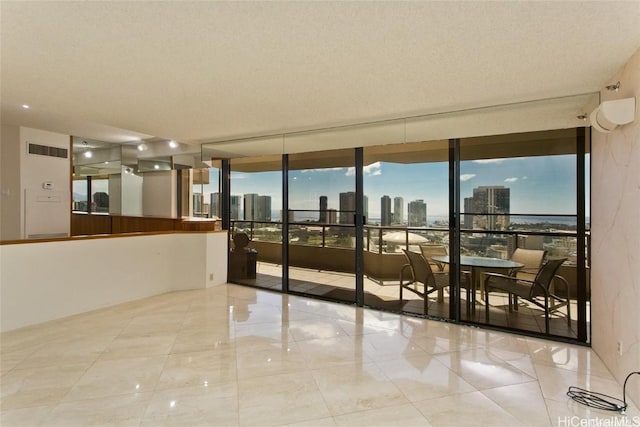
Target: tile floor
{"type": "Point", "coordinates": [240, 356]}
{"type": "Point", "coordinates": [341, 286]}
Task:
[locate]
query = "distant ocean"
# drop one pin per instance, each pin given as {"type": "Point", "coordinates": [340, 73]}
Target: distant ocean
{"type": "Point", "coordinates": [568, 220]}
{"type": "Point", "coordinates": [432, 220]}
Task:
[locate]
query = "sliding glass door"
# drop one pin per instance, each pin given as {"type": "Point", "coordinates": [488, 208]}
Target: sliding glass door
{"type": "Point", "coordinates": [256, 226]}
{"type": "Point", "coordinates": [407, 186]}
{"type": "Point", "coordinates": [322, 232]}
{"type": "Point", "coordinates": [341, 223]}
{"type": "Point", "coordinates": [520, 195]}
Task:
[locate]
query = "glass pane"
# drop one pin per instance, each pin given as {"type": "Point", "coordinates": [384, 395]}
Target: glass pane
{"type": "Point", "coordinates": [519, 201]}
{"type": "Point", "coordinates": [322, 205]}
{"type": "Point", "coordinates": [407, 186]}
{"type": "Point", "coordinates": [206, 195]}
{"type": "Point", "coordinates": [80, 198]}
{"type": "Point", "coordinates": [100, 196]}
{"type": "Point", "coordinates": [256, 225]}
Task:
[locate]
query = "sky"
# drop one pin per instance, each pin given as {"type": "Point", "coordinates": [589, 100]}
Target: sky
{"type": "Point", "coordinates": [539, 185]}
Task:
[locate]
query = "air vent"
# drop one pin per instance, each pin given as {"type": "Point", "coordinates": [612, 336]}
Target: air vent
{"type": "Point", "coordinates": [44, 150]}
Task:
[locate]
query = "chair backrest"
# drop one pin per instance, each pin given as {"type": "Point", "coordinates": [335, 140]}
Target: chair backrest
{"type": "Point", "coordinates": [545, 276]}
{"type": "Point", "coordinates": [421, 269]}
{"type": "Point", "coordinates": [531, 258]}
{"type": "Point", "coordinates": [430, 249]}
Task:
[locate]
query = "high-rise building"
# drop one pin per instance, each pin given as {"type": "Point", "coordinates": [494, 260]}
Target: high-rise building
{"type": "Point", "coordinates": [263, 211]}
{"type": "Point", "coordinates": [348, 207]}
{"type": "Point", "coordinates": [197, 203]}
{"type": "Point", "coordinates": [494, 201]}
{"type": "Point", "coordinates": [417, 212]}
{"type": "Point", "coordinates": [468, 210]}
{"type": "Point", "coordinates": [365, 208]}
{"type": "Point", "coordinates": [385, 210]}
{"type": "Point", "coordinates": [398, 210]}
{"type": "Point", "coordinates": [235, 207]}
{"type": "Point", "coordinates": [257, 207]}
{"type": "Point", "coordinates": [332, 216]}
{"type": "Point", "coordinates": [323, 209]}
{"type": "Point", "coordinates": [215, 205]}
{"type": "Point", "coordinates": [250, 206]}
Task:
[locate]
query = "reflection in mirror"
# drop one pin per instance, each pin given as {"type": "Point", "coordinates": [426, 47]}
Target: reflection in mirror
{"type": "Point", "coordinates": [91, 157]}
{"type": "Point", "coordinates": [251, 147]}
{"type": "Point", "coordinates": [108, 177]}
{"type": "Point", "coordinates": [94, 165]}
{"type": "Point", "coordinates": [156, 164]}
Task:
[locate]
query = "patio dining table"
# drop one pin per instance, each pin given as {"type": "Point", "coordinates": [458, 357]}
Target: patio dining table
{"type": "Point", "coordinates": [477, 265]}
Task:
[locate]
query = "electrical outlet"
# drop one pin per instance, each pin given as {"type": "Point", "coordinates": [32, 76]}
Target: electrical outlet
{"type": "Point", "coordinates": [210, 276]}
{"type": "Point", "coordinates": [619, 348]}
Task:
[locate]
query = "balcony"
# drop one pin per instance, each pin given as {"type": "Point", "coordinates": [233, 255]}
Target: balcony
{"type": "Point", "coordinates": [322, 265]}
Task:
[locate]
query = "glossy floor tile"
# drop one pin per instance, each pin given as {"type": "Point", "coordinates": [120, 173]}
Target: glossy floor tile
{"type": "Point", "coordinates": [385, 296]}
{"type": "Point", "coordinates": [241, 356]}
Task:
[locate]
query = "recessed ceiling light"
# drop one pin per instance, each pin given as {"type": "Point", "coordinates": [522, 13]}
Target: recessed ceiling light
{"type": "Point", "coordinates": [25, 106]}
{"type": "Point", "coordinates": [88, 154]}
{"type": "Point", "coordinates": [173, 144]}
{"type": "Point", "coordinates": [142, 147]}
{"type": "Point", "coordinates": [106, 163]}
{"type": "Point", "coordinates": [156, 166]}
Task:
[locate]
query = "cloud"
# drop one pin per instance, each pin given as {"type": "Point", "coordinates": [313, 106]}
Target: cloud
{"type": "Point", "coordinates": [525, 177]}
{"type": "Point", "coordinates": [374, 169]}
{"type": "Point", "coordinates": [511, 179]}
{"type": "Point", "coordinates": [485, 161]}
{"type": "Point", "coordinates": [321, 170]}
{"type": "Point", "coordinates": [467, 176]}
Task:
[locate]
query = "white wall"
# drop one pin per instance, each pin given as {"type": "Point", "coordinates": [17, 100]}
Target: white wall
{"type": "Point", "coordinates": [44, 212]}
{"type": "Point", "coordinates": [46, 281]}
{"type": "Point", "coordinates": [115, 194]}
{"type": "Point", "coordinates": [131, 194]}
{"type": "Point", "coordinates": [159, 194]}
{"type": "Point", "coordinates": [615, 242]}
{"type": "Point", "coordinates": [125, 194]}
{"type": "Point", "coordinates": [10, 195]}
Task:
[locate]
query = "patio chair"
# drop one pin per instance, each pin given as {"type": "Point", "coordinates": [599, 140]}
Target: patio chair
{"type": "Point", "coordinates": [531, 290]}
{"type": "Point", "coordinates": [422, 280]}
{"type": "Point", "coordinates": [430, 250]}
{"type": "Point", "coordinates": [532, 260]}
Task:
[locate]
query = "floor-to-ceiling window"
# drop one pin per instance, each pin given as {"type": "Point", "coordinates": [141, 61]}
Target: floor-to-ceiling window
{"type": "Point", "coordinates": [255, 211]}
{"type": "Point", "coordinates": [520, 199]}
{"type": "Point", "coordinates": [407, 187]}
{"type": "Point", "coordinates": [321, 216]}
{"type": "Point", "coordinates": [470, 206]}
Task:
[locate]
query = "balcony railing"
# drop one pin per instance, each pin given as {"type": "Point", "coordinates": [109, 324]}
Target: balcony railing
{"type": "Point", "coordinates": [392, 239]}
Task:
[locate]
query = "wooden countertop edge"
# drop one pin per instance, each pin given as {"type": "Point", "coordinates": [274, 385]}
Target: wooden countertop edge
{"type": "Point", "coordinates": [103, 236]}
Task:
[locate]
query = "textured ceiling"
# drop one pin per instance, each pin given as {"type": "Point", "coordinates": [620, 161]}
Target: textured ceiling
{"type": "Point", "coordinates": [204, 71]}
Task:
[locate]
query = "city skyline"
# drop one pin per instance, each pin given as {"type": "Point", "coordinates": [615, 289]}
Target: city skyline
{"type": "Point", "coordinates": [539, 185]}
